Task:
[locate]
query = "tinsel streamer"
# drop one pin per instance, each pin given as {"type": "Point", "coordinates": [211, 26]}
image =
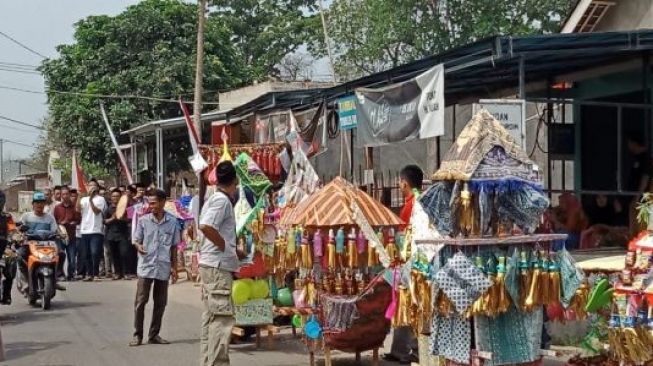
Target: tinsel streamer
{"type": "Point", "coordinates": [331, 255]}
{"type": "Point", "coordinates": [311, 293]}
{"type": "Point", "coordinates": [372, 257]}
{"type": "Point", "coordinates": [291, 246]}
{"type": "Point", "coordinates": [479, 306]}
{"type": "Point", "coordinates": [554, 283]}
{"type": "Point", "coordinates": [402, 314]}
{"type": "Point", "coordinates": [444, 305]}
{"type": "Point", "coordinates": [579, 301]}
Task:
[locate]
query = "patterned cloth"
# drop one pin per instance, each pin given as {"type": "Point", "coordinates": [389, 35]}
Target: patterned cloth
{"type": "Point", "coordinates": [512, 276]}
{"type": "Point", "coordinates": [482, 134]}
{"type": "Point", "coordinates": [523, 206]}
{"type": "Point", "coordinates": [570, 276]}
{"type": "Point", "coordinates": [339, 312]}
{"type": "Point", "coordinates": [451, 338]}
{"type": "Point", "coordinates": [512, 337]}
{"type": "Point", "coordinates": [462, 282]}
{"type": "Point", "coordinates": [436, 202]}
{"type": "Point", "coordinates": [497, 164]}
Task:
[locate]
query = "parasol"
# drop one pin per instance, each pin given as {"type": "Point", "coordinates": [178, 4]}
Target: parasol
{"type": "Point", "coordinates": [332, 206]}
{"type": "Point", "coordinates": [606, 264]}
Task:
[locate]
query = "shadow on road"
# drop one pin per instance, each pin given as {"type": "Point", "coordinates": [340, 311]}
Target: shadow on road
{"type": "Point", "coordinates": [23, 349]}
{"type": "Point", "coordinates": [31, 314]}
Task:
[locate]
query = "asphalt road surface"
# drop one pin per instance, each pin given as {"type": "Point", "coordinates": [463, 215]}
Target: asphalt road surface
{"type": "Point", "coordinates": [91, 325]}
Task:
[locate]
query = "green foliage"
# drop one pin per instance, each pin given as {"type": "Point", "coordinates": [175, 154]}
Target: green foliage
{"type": "Point", "coordinates": [644, 208]}
{"type": "Point", "coordinates": [266, 31]}
{"type": "Point", "coordinates": [147, 50]}
{"type": "Point", "coordinates": [373, 35]}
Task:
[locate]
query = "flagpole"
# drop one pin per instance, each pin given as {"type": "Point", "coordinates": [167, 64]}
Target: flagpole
{"type": "Point", "coordinates": [121, 156]}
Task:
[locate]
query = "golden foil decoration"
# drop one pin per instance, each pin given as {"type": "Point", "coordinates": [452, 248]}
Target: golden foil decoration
{"type": "Point", "coordinates": [504, 298]}
{"type": "Point", "coordinates": [306, 255]}
{"type": "Point", "coordinates": [402, 315]}
{"type": "Point", "coordinates": [544, 282]}
{"type": "Point", "coordinates": [466, 211]}
{"type": "Point", "coordinates": [331, 255]}
{"type": "Point", "coordinates": [372, 257]}
{"type": "Point", "coordinates": [352, 254]}
{"type": "Point", "coordinates": [532, 299]}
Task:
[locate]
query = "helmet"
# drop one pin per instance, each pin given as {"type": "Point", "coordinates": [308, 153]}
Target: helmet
{"type": "Point", "coordinates": [38, 197]}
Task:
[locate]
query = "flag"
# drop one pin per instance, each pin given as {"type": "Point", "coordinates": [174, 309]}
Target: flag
{"type": "Point", "coordinates": [196, 161]}
{"type": "Point", "coordinates": [77, 180]}
{"type": "Point", "coordinates": [121, 156]}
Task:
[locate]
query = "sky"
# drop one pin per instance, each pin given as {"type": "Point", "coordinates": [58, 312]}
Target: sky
{"type": "Point", "coordinates": [41, 25]}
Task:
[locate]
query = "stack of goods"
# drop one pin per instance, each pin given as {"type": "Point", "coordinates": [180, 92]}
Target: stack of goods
{"type": "Point", "coordinates": [488, 276]}
{"type": "Point", "coordinates": [337, 241]}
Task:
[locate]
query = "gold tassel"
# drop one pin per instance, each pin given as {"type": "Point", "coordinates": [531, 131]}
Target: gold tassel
{"type": "Point", "coordinates": [402, 315]}
{"type": "Point", "coordinates": [532, 298]}
{"type": "Point", "coordinates": [466, 211]}
{"type": "Point", "coordinates": [331, 255]}
{"type": "Point", "coordinates": [444, 305]}
{"type": "Point", "coordinates": [307, 257]}
{"type": "Point", "coordinates": [524, 279]}
{"type": "Point", "coordinates": [372, 258]}
{"type": "Point", "coordinates": [504, 297]}
{"type": "Point", "coordinates": [554, 286]}
{"type": "Point", "coordinates": [311, 293]}
{"type": "Point", "coordinates": [352, 255]}
{"type": "Point", "coordinates": [543, 288]}
{"type": "Point", "coordinates": [579, 301]}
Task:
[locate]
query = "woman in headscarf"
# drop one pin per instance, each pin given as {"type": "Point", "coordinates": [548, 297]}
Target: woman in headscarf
{"type": "Point", "coordinates": [570, 219]}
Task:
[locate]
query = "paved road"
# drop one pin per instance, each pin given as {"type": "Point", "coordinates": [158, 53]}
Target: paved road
{"type": "Point", "coordinates": [91, 325]}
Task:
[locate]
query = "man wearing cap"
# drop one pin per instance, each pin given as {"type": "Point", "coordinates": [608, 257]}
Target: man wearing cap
{"type": "Point", "coordinates": [219, 259]}
{"type": "Point", "coordinates": [37, 222]}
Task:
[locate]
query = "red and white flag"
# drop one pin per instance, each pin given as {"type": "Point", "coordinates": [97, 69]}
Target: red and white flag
{"type": "Point", "coordinates": [77, 180]}
{"type": "Point", "coordinates": [196, 161]}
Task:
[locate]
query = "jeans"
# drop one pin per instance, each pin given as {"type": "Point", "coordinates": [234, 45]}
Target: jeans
{"type": "Point", "coordinates": [91, 252]}
{"type": "Point", "coordinates": [108, 259]}
{"type": "Point", "coordinates": [71, 258]}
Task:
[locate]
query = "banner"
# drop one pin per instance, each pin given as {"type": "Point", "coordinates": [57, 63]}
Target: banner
{"type": "Point", "coordinates": [511, 113]}
{"type": "Point", "coordinates": [402, 112]}
{"type": "Point", "coordinates": [197, 162]}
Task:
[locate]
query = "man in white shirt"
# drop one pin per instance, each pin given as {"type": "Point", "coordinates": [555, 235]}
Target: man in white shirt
{"type": "Point", "coordinates": [92, 230]}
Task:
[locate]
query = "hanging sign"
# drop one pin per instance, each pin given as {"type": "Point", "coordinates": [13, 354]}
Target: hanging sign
{"type": "Point", "coordinates": [511, 113]}
{"type": "Point", "coordinates": [347, 113]}
{"type": "Point", "coordinates": [401, 112]}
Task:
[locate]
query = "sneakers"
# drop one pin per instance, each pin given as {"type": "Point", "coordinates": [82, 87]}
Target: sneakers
{"type": "Point", "coordinates": [135, 342]}
{"type": "Point", "coordinates": [157, 340]}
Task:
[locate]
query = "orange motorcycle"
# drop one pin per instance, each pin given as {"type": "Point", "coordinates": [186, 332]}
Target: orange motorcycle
{"type": "Point", "coordinates": [41, 269]}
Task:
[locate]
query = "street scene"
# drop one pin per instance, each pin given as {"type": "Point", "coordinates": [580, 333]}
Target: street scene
{"type": "Point", "coordinates": [326, 182]}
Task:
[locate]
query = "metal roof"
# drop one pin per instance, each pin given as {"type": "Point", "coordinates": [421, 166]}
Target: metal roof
{"type": "Point", "coordinates": [475, 70]}
{"type": "Point", "coordinates": [177, 122]}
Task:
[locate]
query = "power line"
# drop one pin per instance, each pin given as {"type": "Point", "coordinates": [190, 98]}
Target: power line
{"type": "Point", "coordinates": [22, 45]}
{"type": "Point", "coordinates": [17, 143]}
{"type": "Point", "coordinates": [13, 128]}
{"type": "Point", "coordinates": [22, 123]}
{"type": "Point", "coordinates": [19, 71]}
{"type": "Point", "coordinates": [106, 96]}
{"type": "Point", "coordinates": [34, 67]}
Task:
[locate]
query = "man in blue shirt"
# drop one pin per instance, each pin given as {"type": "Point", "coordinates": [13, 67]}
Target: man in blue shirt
{"type": "Point", "coordinates": [155, 238]}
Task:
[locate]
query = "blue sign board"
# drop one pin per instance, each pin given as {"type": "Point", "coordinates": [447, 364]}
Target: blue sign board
{"type": "Point", "coordinates": [347, 112]}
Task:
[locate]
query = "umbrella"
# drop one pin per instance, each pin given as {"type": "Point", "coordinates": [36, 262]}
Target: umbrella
{"type": "Point", "coordinates": [332, 206]}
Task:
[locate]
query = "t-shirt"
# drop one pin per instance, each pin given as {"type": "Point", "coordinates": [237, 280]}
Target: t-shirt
{"type": "Point", "coordinates": [218, 212]}
{"type": "Point", "coordinates": [92, 223]}
{"type": "Point", "coordinates": [39, 224]}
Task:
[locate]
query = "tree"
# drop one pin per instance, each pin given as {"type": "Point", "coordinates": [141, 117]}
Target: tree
{"type": "Point", "coordinates": [266, 31]}
{"type": "Point", "coordinates": [374, 35]}
{"type": "Point", "coordinates": [296, 66]}
{"type": "Point", "coordinates": [148, 50]}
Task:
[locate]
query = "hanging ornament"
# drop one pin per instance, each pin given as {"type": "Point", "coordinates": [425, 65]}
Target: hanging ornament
{"type": "Point", "coordinates": [317, 244]}
{"type": "Point", "coordinates": [352, 257]}
{"type": "Point", "coordinates": [331, 251]}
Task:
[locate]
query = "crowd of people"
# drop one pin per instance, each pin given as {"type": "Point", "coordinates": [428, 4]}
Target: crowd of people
{"type": "Point", "coordinates": [97, 241]}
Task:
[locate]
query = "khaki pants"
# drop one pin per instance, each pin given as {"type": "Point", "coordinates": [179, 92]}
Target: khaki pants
{"type": "Point", "coordinates": [218, 317]}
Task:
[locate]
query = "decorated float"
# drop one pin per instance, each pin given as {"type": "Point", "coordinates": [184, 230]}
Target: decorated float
{"type": "Point", "coordinates": [484, 272]}
{"type": "Point", "coordinates": [340, 242]}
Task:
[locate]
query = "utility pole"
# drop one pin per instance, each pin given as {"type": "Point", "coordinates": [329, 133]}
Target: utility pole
{"type": "Point", "coordinates": [2, 161]}
{"type": "Point", "coordinates": [199, 78]}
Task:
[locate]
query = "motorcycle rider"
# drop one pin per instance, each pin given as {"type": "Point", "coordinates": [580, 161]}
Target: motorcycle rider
{"type": "Point", "coordinates": [7, 225]}
{"type": "Point", "coordinates": [36, 222]}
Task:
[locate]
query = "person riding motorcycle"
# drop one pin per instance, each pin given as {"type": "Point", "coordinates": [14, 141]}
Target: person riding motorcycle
{"type": "Point", "coordinates": [36, 222]}
{"type": "Point", "coordinates": [7, 226]}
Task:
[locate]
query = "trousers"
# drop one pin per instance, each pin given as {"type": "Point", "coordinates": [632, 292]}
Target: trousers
{"type": "Point", "coordinates": [159, 291]}
{"type": "Point", "coordinates": [90, 251]}
{"type": "Point", "coordinates": [217, 318]}
{"type": "Point", "coordinates": [403, 342]}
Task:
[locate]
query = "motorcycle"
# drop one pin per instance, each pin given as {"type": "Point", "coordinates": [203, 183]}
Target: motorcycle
{"type": "Point", "coordinates": [8, 271]}
{"type": "Point", "coordinates": [41, 269]}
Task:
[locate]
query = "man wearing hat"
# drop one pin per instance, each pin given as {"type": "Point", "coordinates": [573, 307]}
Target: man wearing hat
{"type": "Point", "coordinates": [219, 259]}
{"type": "Point", "coordinates": [37, 221]}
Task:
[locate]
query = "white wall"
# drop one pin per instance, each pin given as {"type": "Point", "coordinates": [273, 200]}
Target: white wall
{"type": "Point", "coordinates": [627, 15]}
